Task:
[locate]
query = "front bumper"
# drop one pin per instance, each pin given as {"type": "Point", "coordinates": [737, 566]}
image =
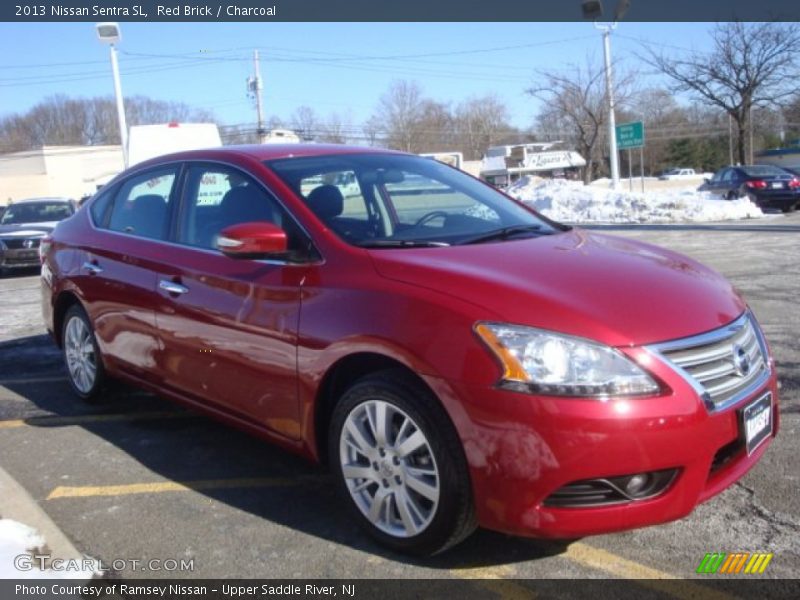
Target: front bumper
{"type": "Point", "coordinates": [522, 448]}
{"type": "Point", "coordinates": [11, 258]}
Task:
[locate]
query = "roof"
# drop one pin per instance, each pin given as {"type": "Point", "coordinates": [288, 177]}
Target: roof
{"type": "Point", "coordinates": [276, 151]}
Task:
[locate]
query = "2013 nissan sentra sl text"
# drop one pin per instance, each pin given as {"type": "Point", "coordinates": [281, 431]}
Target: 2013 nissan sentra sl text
{"type": "Point", "coordinates": [457, 359]}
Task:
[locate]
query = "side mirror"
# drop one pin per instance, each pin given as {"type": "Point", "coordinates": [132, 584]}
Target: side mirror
{"type": "Point", "coordinates": [257, 239]}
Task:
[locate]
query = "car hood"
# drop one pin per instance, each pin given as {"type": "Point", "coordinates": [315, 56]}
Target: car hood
{"type": "Point", "coordinates": [27, 229]}
{"type": "Point", "coordinates": [614, 290]}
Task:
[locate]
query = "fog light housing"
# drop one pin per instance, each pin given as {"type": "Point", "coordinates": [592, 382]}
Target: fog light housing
{"type": "Point", "coordinates": [636, 484]}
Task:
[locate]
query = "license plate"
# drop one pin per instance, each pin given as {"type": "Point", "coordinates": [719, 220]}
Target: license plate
{"type": "Point", "coordinates": [777, 186]}
{"type": "Point", "coordinates": [757, 422]}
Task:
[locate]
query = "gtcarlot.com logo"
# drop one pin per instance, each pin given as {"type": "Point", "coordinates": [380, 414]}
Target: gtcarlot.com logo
{"type": "Point", "coordinates": [736, 563]}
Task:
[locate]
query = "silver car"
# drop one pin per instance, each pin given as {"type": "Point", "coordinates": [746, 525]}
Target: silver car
{"type": "Point", "coordinates": [24, 224]}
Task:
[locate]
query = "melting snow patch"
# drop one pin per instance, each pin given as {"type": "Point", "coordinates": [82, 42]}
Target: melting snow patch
{"type": "Point", "coordinates": [17, 544]}
{"type": "Point", "coordinates": [572, 202]}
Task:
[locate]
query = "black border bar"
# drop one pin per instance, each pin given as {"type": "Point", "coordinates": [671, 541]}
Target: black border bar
{"type": "Point", "coordinates": [391, 10]}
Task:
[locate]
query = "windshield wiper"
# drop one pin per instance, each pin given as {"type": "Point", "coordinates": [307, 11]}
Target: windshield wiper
{"type": "Point", "coordinates": [500, 234]}
{"type": "Point", "coordinates": [400, 244]}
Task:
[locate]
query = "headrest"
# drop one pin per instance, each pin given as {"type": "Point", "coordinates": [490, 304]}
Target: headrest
{"type": "Point", "coordinates": [326, 201]}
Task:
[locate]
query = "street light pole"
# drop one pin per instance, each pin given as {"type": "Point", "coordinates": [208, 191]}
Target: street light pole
{"type": "Point", "coordinates": [123, 125]}
{"type": "Point", "coordinates": [110, 34]}
{"type": "Point", "coordinates": [612, 120]}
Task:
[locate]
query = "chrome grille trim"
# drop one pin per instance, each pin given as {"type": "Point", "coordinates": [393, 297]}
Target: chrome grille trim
{"type": "Point", "coordinates": [706, 362]}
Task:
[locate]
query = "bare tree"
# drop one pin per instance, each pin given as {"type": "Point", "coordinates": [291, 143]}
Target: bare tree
{"type": "Point", "coordinates": [60, 120]}
{"type": "Point", "coordinates": [480, 123]}
{"type": "Point", "coordinates": [373, 128]}
{"type": "Point", "coordinates": [751, 64]}
{"type": "Point", "coordinates": [305, 122]}
{"type": "Point", "coordinates": [335, 128]}
{"type": "Point", "coordinates": [576, 108]}
{"type": "Point", "coordinates": [400, 109]}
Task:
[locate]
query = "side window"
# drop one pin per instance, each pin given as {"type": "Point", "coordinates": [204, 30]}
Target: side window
{"type": "Point", "coordinates": [141, 207]}
{"type": "Point", "coordinates": [99, 207]}
{"type": "Point", "coordinates": [727, 175]}
{"type": "Point", "coordinates": [217, 197]}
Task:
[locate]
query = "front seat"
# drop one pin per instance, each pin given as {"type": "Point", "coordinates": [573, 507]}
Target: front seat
{"type": "Point", "coordinates": [327, 202]}
{"type": "Point", "coordinates": [244, 204]}
{"type": "Point", "coordinates": [147, 217]}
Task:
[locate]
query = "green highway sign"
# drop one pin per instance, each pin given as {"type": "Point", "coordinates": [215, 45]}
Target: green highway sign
{"type": "Point", "coordinates": [630, 135]}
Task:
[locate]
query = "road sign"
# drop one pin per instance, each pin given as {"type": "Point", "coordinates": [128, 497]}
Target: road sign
{"type": "Point", "coordinates": [630, 135]}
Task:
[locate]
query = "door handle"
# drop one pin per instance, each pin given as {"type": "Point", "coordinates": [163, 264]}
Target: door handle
{"type": "Point", "coordinates": [92, 268]}
{"type": "Point", "coordinates": [171, 287]}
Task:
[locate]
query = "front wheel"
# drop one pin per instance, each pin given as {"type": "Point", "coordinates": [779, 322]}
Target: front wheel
{"type": "Point", "coordinates": [399, 465]}
{"type": "Point", "coordinates": [82, 356]}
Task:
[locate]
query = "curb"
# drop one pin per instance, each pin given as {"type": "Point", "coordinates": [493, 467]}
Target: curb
{"type": "Point", "coordinates": [17, 504]}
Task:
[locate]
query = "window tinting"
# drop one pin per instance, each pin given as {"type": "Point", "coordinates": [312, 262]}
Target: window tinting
{"type": "Point", "coordinates": [99, 207]}
{"type": "Point", "coordinates": [142, 205]}
{"type": "Point", "coordinates": [217, 197]}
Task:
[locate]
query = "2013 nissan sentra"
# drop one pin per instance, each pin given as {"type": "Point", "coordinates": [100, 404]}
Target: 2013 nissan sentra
{"type": "Point", "coordinates": [456, 358]}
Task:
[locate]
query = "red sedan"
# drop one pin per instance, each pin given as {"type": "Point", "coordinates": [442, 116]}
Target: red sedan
{"type": "Point", "coordinates": [456, 358]}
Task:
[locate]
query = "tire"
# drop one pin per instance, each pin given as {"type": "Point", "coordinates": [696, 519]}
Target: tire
{"type": "Point", "coordinates": [421, 498]}
{"type": "Point", "coordinates": [732, 195]}
{"type": "Point", "coordinates": [82, 357]}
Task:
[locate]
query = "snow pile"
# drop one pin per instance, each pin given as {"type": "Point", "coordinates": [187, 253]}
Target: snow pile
{"type": "Point", "coordinates": [18, 540]}
{"type": "Point", "coordinates": [572, 202]}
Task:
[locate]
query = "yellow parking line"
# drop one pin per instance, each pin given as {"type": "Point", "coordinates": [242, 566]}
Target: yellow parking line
{"type": "Point", "coordinates": [662, 581]}
{"type": "Point", "coordinates": [159, 487]}
{"type": "Point", "coordinates": [492, 580]}
{"type": "Point", "coordinates": [84, 419]}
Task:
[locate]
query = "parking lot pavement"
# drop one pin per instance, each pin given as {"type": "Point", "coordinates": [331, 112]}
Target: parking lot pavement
{"type": "Point", "coordinates": [137, 478]}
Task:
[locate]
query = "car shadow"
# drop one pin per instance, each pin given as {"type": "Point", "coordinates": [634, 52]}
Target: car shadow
{"type": "Point", "coordinates": [180, 445]}
{"type": "Point", "coordinates": [18, 273]}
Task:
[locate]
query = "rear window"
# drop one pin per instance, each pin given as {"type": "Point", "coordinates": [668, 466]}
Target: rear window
{"type": "Point", "coordinates": [36, 212]}
{"type": "Point", "coordinates": [763, 171]}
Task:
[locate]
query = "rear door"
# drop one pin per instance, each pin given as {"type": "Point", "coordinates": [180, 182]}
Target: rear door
{"type": "Point", "coordinates": [118, 267]}
{"type": "Point", "coordinates": [229, 326]}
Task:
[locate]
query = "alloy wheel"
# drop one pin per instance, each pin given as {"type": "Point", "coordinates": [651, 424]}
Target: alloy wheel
{"type": "Point", "coordinates": [80, 356]}
{"type": "Point", "coordinates": [389, 468]}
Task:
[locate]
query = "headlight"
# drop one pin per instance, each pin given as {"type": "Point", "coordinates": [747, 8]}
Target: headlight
{"type": "Point", "coordinates": [549, 363]}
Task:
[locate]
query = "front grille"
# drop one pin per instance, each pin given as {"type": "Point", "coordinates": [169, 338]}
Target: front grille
{"type": "Point", "coordinates": [19, 243]}
{"type": "Point", "coordinates": [722, 365]}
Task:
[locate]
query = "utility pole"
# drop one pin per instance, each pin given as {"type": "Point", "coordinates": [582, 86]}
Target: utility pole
{"type": "Point", "coordinates": [593, 10]}
{"type": "Point", "coordinates": [254, 86]}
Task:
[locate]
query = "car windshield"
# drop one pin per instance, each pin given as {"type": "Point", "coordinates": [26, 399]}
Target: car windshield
{"type": "Point", "coordinates": [386, 200]}
{"type": "Point", "coordinates": [35, 212]}
{"type": "Point", "coordinates": [763, 171]}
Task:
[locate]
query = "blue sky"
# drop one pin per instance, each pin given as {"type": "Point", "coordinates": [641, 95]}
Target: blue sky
{"type": "Point", "coordinates": [337, 67]}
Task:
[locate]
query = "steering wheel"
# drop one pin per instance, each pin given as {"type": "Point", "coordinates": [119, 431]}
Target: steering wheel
{"type": "Point", "coordinates": [434, 214]}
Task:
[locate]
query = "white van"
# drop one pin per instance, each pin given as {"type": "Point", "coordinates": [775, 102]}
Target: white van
{"type": "Point", "coordinates": [149, 141]}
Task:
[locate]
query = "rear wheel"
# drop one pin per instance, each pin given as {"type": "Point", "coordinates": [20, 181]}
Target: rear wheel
{"type": "Point", "coordinates": [82, 356]}
{"type": "Point", "coordinates": [400, 466]}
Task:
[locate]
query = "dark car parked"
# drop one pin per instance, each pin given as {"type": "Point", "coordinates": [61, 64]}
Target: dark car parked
{"type": "Point", "coordinates": [766, 185]}
{"type": "Point", "coordinates": [24, 224]}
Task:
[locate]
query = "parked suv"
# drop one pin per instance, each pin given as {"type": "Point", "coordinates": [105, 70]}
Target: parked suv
{"type": "Point", "coordinates": [456, 358]}
{"type": "Point", "coordinates": [24, 224]}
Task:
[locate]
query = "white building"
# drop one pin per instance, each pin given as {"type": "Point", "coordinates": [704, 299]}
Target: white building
{"type": "Point", "coordinates": [503, 165]}
{"type": "Point", "coordinates": [70, 171]}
